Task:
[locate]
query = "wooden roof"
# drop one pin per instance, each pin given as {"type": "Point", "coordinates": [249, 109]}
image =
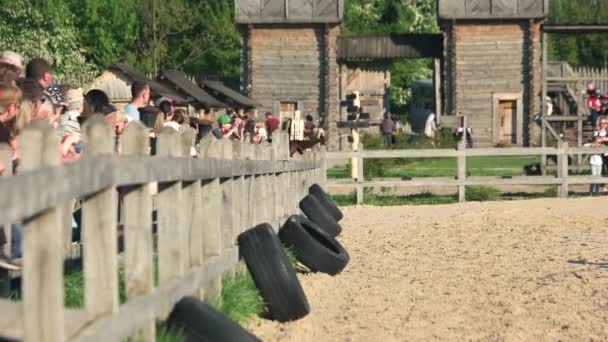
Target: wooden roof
{"type": "Point", "coordinates": [390, 46]}
{"type": "Point", "coordinates": [288, 11]}
{"type": "Point", "coordinates": [180, 81]}
{"type": "Point", "coordinates": [233, 95]}
{"type": "Point", "coordinates": [492, 9]}
{"type": "Point", "coordinates": [576, 28]}
{"type": "Point", "coordinates": [157, 89]}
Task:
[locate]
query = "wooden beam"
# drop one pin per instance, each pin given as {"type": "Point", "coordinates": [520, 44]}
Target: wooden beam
{"type": "Point", "coordinates": [575, 28]}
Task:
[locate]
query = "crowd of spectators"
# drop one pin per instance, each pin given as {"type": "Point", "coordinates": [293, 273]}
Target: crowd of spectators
{"type": "Point", "coordinates": [28, 94]}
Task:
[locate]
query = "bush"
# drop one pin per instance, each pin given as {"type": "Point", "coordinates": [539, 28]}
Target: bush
{"type": "Point", "coordinates": [481, 193]}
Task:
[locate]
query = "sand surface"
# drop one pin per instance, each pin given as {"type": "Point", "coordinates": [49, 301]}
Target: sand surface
{"type": "Point", "coordinates": [509, 271]}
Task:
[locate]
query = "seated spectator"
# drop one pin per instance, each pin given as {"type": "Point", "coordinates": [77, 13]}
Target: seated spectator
{"type": "Point", "coordinates": [10, 98]}
{"type": "Point", "coordinates": [9, 73]}
{"type": "Point", "coordinates": [226, 129]}
{"type": "Point", "coordinates": [68, 121]}
{"type": "Point", "coordinates": [260, 133]}
{"type": "Point", "coordinates": [140, 92]}
{"type": "Point", "coordinates": [154, 119]}
{"type": "Point", "coordinates": [272, 124]}
{"type": "Point", "coordinates": [13, 58]}
{"type": "Point", "coordinates": [96, 101]}
{"type": "Point", "coordinates": [309, 128]}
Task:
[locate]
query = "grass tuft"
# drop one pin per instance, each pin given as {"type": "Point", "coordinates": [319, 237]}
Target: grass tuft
{"type": "Point", "coordinates": [481, 193]}
{"type": "Point", "coordinates": [240, 299]}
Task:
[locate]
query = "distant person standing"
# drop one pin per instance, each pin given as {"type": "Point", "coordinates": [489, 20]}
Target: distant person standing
{"type": "Point", "coordinates": [309, 128]}
{"type": "Point", "coordinates": [388, 128]}
{"type": "Point", "coordinates": [272, 124]}
{"type": "Point", "coordinates": [140, 92]}
{"type": "Point", "coordinates": [593, 103]}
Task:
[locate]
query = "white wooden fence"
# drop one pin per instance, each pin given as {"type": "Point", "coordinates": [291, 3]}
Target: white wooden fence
{"type": "Point", "coordinates": [203, 205]}
{"type": "Point", "coordinates": [562, 179]}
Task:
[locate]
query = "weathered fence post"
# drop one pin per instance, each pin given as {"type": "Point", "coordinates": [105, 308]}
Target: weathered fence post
{"type": "Point", "coordinates": [171, 249]}
{"type": "Point", "coordinates": [228, 216]}
{"type": "Point", "coordinates": [99, 229]}
{"type": "Point", "coordinates": [5, 278]}
{"type": "Point", "coordinates": [240, 193]}
{"type": "Point", "coordinates": [462, 163]}
{"type": "Point", "coordinates": [360, 174]}
{"type": "Point", "coordinates": [42, 268]}
{"type": "Point", "coordinates": [562, 168]}
{"type": "Point", "coordinates": [211, 207]}
{"type": "Point", "coordinates": [192, 198]}
{"type": "Point", "coordinates": [259, 190]}
{"type": "Point", "coordinates": [248, 195]}
{"type": "Point", "coordinates": [137, 220]}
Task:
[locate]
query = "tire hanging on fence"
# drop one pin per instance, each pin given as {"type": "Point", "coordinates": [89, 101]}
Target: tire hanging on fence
{"type": "Point", "coordinates": [199, 322]}
{"type": "Point", "coordinates": [273, 274]}
{"type": "Point", "coordinates": [317, 213]}
{"type": "Point", "coordinates": [314, 248]}
{"type": "Point", "coordinates": [326, 201]}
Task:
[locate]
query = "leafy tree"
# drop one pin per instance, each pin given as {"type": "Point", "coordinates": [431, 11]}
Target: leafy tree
{"type": "Point", "coordinates": [30, 31]}
{"type": "Point", "coordinates": [583, 49]}
{"type": "Point", "coordinates": [395, 16]}
{"type": "Point", "coordinates": [108, 29]}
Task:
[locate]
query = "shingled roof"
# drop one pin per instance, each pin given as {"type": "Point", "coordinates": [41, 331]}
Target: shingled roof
{"type": "Point", "coordinates": [157, 89]}
{"type": "Point", "coordinates": [216, 87]}
{"type": "Point", "coordinates": [180, 81]}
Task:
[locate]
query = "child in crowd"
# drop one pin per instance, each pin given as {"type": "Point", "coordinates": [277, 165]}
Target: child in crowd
{"type": "Point", "coordinates": [596, 166]}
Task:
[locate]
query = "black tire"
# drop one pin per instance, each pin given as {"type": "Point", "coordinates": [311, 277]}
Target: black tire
{"type": "Point", "coordinates": [317, 213]}
{"type": "Point", "coordinates": [326, 201]}
{"type": "Point", "coordinates": [314, 248]}
{"type": "Point", "coordinates": [199, 322]}
{"type": "Point", "coordinates": [273, 274]}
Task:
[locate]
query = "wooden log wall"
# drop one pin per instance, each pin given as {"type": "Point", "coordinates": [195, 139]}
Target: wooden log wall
{"type": "Point", "coordinates": [289, 63]}
{"type": "Point", "coordinates": [202, 206]}
{"type": "Point", "coordinates": [487, 58]}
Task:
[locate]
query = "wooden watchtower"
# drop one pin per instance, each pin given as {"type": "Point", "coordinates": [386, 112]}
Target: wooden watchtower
{"type": "Point", "coordinates": [289, 55]}
{"type": "Point", "coordinates": [492, 66]}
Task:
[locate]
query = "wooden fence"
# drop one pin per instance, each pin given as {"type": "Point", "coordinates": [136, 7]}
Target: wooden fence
{"type": "Point", "coordinates": [562, 179]}
{"type": "Point", "coordinates": [202, 206]}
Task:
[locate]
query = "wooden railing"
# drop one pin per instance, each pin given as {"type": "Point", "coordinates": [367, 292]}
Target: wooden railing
{"type": "Point", "coordinates": [562, 179]}
{"type": "Point", "coordinates": [202, 206]}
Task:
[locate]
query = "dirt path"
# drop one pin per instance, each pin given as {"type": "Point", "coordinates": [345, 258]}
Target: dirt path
{"type": "Point", "coordinates": [508, 271]}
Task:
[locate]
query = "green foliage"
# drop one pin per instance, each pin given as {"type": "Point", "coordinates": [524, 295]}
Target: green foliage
{"type": "Point", "coordinates": [390, 16]}
{"type": "Point", "coordinates": [240, 300]}
{"type": "Point", "coordinates": [108, 28]}
{"type": "Point", "coordinates": [33, 32]}
{"type": "Point", "coordinates": [583, 49]}
{"type": "Point", "coordinates": [481, 193]}
{"type": "Point", "coordinates": [166, 334]}
{"type": "Point", "coordinates": [370, 198]}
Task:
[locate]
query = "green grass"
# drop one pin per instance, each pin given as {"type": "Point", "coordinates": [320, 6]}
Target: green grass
{"type": "Point", "coordinates": [240, 299]}
{"type": "Point", "coordinates": [473, 193]}
{"type": "Point", "coordinates": [440, 167]}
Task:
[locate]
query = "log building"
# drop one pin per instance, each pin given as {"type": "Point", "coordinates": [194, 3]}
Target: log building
{"type": "Point", "coordinates": [289, 55]}
{"type": "Point", "coordinates": [492, 66]}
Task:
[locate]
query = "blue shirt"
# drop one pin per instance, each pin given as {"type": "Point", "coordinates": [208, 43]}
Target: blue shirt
{"type": "Point", "coordinates": [132, 111]}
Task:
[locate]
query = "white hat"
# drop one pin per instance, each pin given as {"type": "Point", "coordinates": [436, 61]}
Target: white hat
{"type": "Point", "coordinates": [13, 58]}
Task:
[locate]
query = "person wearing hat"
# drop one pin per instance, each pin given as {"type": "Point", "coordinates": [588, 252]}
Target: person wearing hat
{"type": "Point", "coordinates": [225, 130]}
{"type": "Point", "coordinates": [68, 121]}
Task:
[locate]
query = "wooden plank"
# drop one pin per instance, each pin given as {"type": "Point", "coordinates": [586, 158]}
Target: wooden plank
{"type": "Point", "coordinates": [191, 239]}
{"type": "Point", "coordinates": [360, 178]}
{"type": "Point", "coordinates": [210, 209]}
{"type": "Point", "coordinates": [171, 249]}
{"type": "Point", "coordinates": [452, 181]}
{"type": "Point", "coordinates": [44, 313]}
{"type": "Point", "coordinates": [99, 229]}
{"type": "Point", "coordinates": [137, 312]}
{"type": "Point", "coordinates": [562, 171]}
{"type": "Point", "coordinates": [137, 221]}
{"type": "Point", "coordinates": [11, 320]}
{"type": "Point", "coordinates": [6, 160]}
{"type": "Point", "coordinates": [226, 184]}
{"type": "Point", "coordinates": [461, 171]}
{"type": "Point", "coordinates": [58, 184]}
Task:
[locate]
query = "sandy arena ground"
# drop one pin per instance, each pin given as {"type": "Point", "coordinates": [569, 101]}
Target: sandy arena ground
{"type": "Point", "coordinates": [508, 271]}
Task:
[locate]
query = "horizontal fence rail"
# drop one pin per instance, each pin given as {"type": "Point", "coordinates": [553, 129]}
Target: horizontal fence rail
{"type": "Point", "coordinates": [562, 179]}
{"type": "Point", "coordinates": [201, 205]}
